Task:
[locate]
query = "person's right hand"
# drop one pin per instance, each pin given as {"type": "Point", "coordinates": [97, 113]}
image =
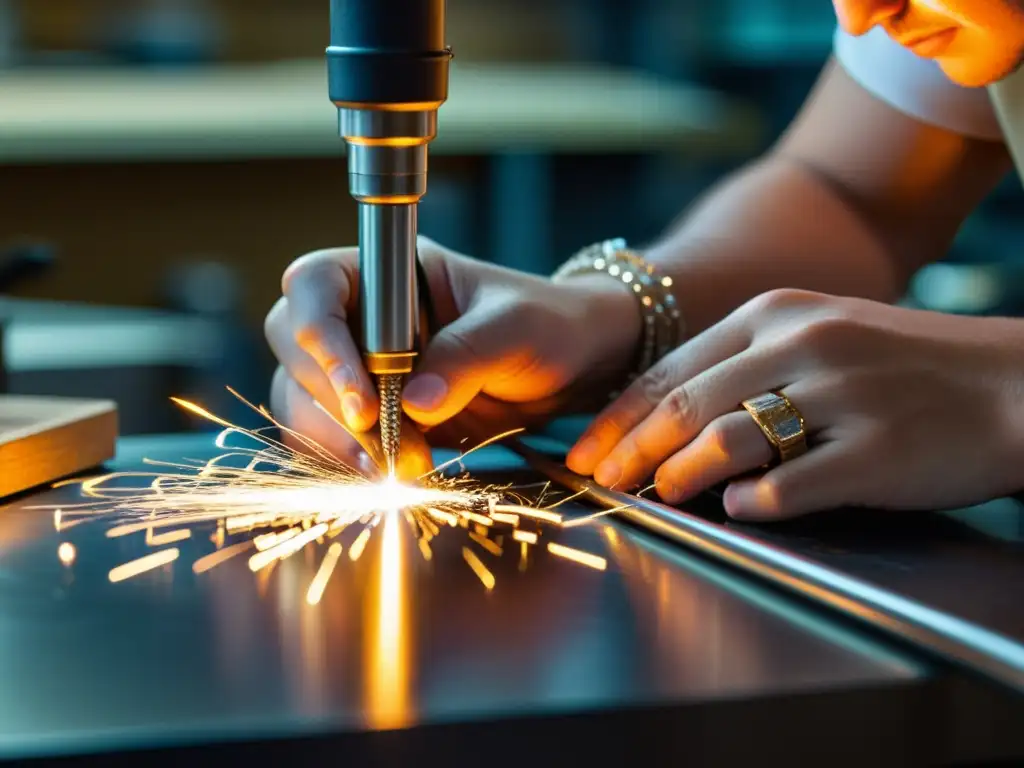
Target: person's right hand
{"type": "Point", "coordinates": [510, 348]}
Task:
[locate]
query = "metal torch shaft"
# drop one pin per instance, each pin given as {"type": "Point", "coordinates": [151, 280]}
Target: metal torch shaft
{"type": "Point", "coordinates": [388, 301]}
{"type": "Point", "coordinates": [387, 67]}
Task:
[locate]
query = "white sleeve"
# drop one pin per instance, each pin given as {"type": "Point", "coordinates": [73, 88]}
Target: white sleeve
{"type": "Point", "coordinates": [915, 86]}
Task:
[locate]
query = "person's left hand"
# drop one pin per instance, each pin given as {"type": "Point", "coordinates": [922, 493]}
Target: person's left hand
{"type": "Point", "coordinates": [903, 409]}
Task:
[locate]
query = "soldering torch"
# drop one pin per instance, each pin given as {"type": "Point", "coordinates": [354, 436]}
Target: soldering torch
{"type": "Point", "coordinates": [388, 75]}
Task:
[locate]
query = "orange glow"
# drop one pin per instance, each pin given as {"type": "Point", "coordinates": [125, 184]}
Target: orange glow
{"type": "Point", "coordinates": [147, 563]}
{"type": "Point", "coordinates": [388, 667]}
{"type": "Point", "coordinates": [583, 558]}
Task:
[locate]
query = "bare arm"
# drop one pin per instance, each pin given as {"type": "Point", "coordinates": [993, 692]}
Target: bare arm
{"type": "Point", "coordinates": [851, 201]}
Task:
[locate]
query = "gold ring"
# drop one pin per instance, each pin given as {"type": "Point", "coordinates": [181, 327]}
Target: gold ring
{"type": "Point", "coordinates": [781, 423]}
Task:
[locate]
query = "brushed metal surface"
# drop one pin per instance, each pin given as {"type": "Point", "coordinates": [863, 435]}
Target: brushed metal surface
{"type": "Point", "coordinates": [177, 658]}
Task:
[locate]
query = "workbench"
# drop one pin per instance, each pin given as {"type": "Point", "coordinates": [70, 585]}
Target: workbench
{"type": "Point", "coordinates": [665, 658]}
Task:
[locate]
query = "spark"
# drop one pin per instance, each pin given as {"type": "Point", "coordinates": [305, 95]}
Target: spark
{"type": "Point", "coordinates": [170, 537]}
{"type": "Point", "coordinates": [425, 550]}
{"type": "Point", "coordinates": [286, 548]}
{"type": "Point", "coordinates": [481, 571]}
{"type": "Point", "coordinates": [442, 516]}
{"type": "Point", "coordinates": [214, 559]}
{"type": "Point", "coordinates": [583, 558]}
{"type": "Point", "coordinates": [486, 543]}
{"type": "Point", "coordinates": [323, 575]}
{"type": "Point", "coordinates": [527, 537]}
{"type": "Point", "coordinates": [288, 493]}
{"type": "Point", "coordinates": [478, 519]}
{"type": "Point", "coordinates": [146, 563]}
{"type": "Point", "coordinates": [524, 511]}
{"type": "Point", "coordinates": [506, 518]}
{"type": "Point", "coordinates": [359, 545]}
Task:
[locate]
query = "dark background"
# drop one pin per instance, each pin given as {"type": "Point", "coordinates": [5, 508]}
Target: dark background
{"type": "Point", "coordinates": [164, 266]}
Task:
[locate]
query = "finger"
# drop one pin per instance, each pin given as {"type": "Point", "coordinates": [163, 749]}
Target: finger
{"type": "Point", "coordinates": [319, 288]}
{"type": "Point", "coordinates": [294, 407]}
{"type": "Point", "coordinates": [718, 343]}
{"type": "Point", "coordinates": [301, 366]}
{"type": "Point", "coordinates": [297, 410]}
{"type": "Point", "coordinates": [729, 446]}
{"type": "Point", "coordinates": [690, 407]}
{"type": "Point", "coordinates": [458, 362]}
{"type": "Point", "coordinates": [825, 477]}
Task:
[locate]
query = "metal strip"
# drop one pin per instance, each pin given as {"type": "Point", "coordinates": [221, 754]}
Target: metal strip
{"type": "Point", "coordinates": [995, 656]}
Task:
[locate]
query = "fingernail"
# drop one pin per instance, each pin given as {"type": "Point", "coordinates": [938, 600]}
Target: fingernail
{"type": "Point", "coordinates": [608, 473]}
{"type": "Point", "coordinates": [352, 409]}
{"type": "Point", "coordinates": [668, 492]}
{"type": "Point", "coordinates": [584, 455]}
{"type": "Point", "coordinates": [426, 391]}
{"type": "Point", "coordinates": [740, 500]}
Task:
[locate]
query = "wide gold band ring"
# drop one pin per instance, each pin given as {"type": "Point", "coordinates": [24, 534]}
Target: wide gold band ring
{"type": "Point", "coordinates": [781, 423]}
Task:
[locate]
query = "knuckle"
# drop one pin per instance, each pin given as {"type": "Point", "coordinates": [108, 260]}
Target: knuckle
{"type": "Point", "coordinates": [776, 300]}
{"type": "Point", "coordinates": [681, 406]}
{"type": "Point", "coordinates": [308, 335]}
{"type": "Point", "coordinates": [827, 339]}
{"type": "Point", "coordinates": [655, 385]}
{"type": "Point", "coordinates": [310, 266]}
{"type": "Point", "coordinates": [275, 319]}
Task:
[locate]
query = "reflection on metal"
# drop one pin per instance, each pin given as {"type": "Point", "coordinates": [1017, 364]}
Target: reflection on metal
{"type": "Point", "coordinates": [946, 636]}
{"type": "Point", "coordinates": [66, 553]}
{"type": "Point", "coordinates": [388, 667]}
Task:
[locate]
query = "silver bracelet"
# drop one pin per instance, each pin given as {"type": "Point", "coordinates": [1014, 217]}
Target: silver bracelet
{"type": "Point", "coordinates": [663, 327]}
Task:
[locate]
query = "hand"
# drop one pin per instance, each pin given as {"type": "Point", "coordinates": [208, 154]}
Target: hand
{"type": "Point", "coordinates": [511, 347]}
{"type": "Point", "coordinates": [903, 409]}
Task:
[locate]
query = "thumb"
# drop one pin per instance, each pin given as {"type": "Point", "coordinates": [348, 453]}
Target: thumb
{"type": "Point", "coordinates": [458, 362]}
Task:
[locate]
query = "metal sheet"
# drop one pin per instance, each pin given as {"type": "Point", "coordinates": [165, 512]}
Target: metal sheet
{"type": "Point", "coordinates": [662, 651]}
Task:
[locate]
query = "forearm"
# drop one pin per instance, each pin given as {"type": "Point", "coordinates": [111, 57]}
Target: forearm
{"type": "Point", "coordinates": [772, 225]}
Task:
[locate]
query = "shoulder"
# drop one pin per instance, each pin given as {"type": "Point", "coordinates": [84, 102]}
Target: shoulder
{"type": "Point", "coordinates": [915, 86]}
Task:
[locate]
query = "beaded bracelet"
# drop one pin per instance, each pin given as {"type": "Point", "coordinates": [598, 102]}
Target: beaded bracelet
{"type": "Point", "coordinates": [663, 328]}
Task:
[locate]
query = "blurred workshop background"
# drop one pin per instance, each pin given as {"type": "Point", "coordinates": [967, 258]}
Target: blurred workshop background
{"type": "Point", "coordinates": [164, 160]}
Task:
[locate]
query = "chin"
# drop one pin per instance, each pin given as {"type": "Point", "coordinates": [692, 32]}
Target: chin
{"type": "Point", "coordinates": [976, 72]}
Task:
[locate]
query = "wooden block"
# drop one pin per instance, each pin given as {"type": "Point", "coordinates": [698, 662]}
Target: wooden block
{"type": "Point", "coordinates": [44, 439]}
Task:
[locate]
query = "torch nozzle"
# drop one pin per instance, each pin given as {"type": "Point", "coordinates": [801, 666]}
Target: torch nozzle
{"type": "Point", "coordinates": [390, 385]}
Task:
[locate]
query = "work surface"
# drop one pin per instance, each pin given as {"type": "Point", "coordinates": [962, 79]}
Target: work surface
{"type": "Point", "coordinates": [654, 658]}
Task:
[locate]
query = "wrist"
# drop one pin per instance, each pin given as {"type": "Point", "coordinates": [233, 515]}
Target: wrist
{"type": "Point", "coordinates": [611, 327]}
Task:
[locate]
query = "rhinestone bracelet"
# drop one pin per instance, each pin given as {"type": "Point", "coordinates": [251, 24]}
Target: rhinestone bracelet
{"type": "Point", "coordinates": [663, 328]}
